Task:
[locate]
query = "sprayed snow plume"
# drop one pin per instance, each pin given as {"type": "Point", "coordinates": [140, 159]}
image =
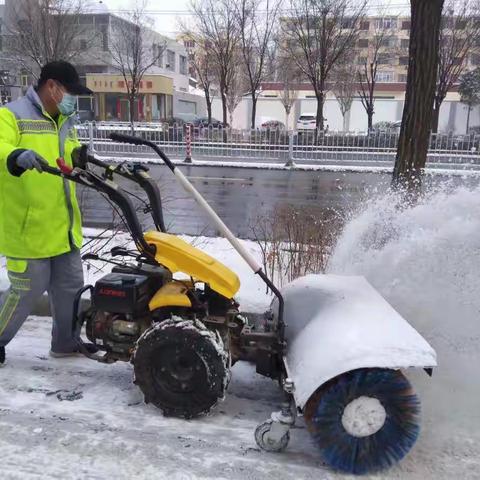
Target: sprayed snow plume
{"type": "Point", "coordinates": [425, 260]}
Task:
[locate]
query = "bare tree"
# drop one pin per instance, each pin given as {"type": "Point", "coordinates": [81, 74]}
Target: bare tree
{"type": "Point", "coordinates": [215, 21]}
{"type": "Point", "coordinates": [41, 31]}
{"type": "Point", "coordinates": [459, 38]}
{"type": "Point", "coordinates": [380, 47]}
{"type": "Point", "coordinates": [203, 66]}
{"type": "Point", "coordinates": [134, 50]}
{"type": "Point", "coordinates": [317, 36]}
{"type": "Point", "coordinates": [469, 90]}
{"type": "Point", "coordinates": [345, 87]}
{"type": "Point", "coordinates": [237, 89]}
{"type": "Point", "coordinates": [420, 91]}
{"type": "Point", "coordinates": [257, 21]}
{"type": "Point", "coordinates": [288, 76]}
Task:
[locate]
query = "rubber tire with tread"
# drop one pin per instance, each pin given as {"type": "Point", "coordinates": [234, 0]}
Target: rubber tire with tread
{"type": "Point", "coordinates": [194, 337]}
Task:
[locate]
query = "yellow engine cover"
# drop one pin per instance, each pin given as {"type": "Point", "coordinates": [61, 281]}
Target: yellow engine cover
{"type": "Point", "coordinates": [172, 294]}
{"type": "Point", "coordinates": [179, 256]}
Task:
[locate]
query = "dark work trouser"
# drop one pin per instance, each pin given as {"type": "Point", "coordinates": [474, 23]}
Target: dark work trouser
{"type": "Point", "coordinates": [61, 277]}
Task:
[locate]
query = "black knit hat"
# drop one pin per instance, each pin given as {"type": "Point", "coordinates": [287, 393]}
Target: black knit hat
{"type": "Point", "coordinates": [65, 74]}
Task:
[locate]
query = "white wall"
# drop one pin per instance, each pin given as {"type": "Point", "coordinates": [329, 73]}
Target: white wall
{"type": "Point", "coordinates": [269, 109]}
{"type": "Point", "coordinates": [453, 114]}
{"type": "Point", "coordinates": [241, 116]}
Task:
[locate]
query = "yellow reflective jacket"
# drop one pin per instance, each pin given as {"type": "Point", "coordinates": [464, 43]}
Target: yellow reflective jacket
{"type": "Point", "coordinates": [39, 214]}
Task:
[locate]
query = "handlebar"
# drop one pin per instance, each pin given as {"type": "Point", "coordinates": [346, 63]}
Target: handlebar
{"type": "Point", "coordinates": [90, 179]}
{"type": "Point", "coordinates": [137, 173]}
{"type": "Point", "coordinates": [122, 138]}
{"type": "Point", "coordinates": [63, 168]}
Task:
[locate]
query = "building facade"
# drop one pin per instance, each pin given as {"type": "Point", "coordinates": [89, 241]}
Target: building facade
{"type": "Point", "coordinates": [165, 91]}
{"type": "Point", "coordinates": [392, 58]}
{"type": "Point", "coordinates": [13, 81]}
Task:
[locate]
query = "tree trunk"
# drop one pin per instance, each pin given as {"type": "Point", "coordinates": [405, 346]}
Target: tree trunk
{"type": "Point", "coordinates": [420, 91]}
{"type": "Point", "coordinates": [468, 118]}
{"type": "Point", "coordinates": [345, 121]}
{"type": "Point", "coordinates": [223, 95]}
{"type": "Point", "coordinates": [224, 110]}
{"type": "Point", "coordinates": [436, 116]}
{"type": "Point", "coordinates": [254, 111]}
{"type": "Point", "coordinates": [131, 107]}
{"type": "Point", "coordinates": [208, 101]}
{"type": "Point", "coordinates": [370, 119]}
{"type": "Point", "coordinates": [320, 103]}
{"type": "Point", "coordinates": [287, 115]}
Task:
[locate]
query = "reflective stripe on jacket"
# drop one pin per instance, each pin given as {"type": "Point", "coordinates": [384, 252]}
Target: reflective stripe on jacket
{"type": "Point", "coordinates": [39, 214]}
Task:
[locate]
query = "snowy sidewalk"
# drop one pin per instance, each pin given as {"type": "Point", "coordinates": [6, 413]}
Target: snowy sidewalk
{"type": "Point", "coordinates": [77, 419]}
{"type": "Point", "coordinates": [63, 419]}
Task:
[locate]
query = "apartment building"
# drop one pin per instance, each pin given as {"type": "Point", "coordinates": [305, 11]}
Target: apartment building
{"type": "Point", "coordinates": [394, 32]}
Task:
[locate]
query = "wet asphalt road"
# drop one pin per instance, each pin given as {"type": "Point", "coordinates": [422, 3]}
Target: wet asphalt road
{"type": "Point", "coordinates": [240, 194]}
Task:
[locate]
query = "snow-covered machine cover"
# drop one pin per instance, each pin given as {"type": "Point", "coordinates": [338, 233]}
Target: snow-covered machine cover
{"type": "Point", "coordinates": [340, 323]}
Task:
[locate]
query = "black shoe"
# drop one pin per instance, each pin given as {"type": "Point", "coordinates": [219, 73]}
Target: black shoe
{"type": "Point", "coordinates": [2, 355]}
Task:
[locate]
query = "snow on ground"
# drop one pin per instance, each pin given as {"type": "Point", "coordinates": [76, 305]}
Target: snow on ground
{"type": "Point", "coordinates": [77, 419]}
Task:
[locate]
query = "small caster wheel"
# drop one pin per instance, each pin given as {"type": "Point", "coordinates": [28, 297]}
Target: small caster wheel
{"type": "Point", "coordinates": [272, 436]}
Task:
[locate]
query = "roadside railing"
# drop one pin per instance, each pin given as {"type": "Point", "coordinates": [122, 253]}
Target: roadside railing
{"type": "Point", "coordinates": [274, 144]}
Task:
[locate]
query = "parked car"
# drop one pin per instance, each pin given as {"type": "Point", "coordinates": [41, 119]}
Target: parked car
{"type": "Point", "coordinates": [203, 122]}
{"type": "Point", "coordinates": [389, 127]}
{"type": "Point", "coordinates": [272, 125]}
{"type": "Point", "coordinates": [307, 121]}
{"type": "Point", "coordinates": [173, 121]}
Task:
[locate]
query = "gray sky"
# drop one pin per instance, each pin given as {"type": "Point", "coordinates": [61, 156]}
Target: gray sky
{"type": "Point", "coordinates": [165, 13]}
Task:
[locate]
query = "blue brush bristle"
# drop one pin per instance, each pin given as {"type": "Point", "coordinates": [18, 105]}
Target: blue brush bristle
{"type": "Point", "coordinates": [362, 455]}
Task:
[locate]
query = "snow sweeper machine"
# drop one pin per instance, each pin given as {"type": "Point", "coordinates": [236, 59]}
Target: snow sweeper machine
{"type": "Point", "coordinates": [335, 346]}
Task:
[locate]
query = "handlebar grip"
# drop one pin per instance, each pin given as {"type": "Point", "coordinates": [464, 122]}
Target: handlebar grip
{"type": "Point", "coordinates": [120, 137]}
{"type": "Point", "coordinates": [63, 167]}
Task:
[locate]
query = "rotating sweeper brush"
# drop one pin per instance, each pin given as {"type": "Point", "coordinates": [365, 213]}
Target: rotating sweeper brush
{"type": "Point", "coordinates": [333, 343]}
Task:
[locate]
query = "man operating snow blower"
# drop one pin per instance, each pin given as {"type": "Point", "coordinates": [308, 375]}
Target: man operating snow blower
{"type": "Point", "coordinates": [40, 223]}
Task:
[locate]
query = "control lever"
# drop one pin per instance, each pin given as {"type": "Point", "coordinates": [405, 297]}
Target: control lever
{"type": "Point", "coordinates": [90, 256]}
{"type": "Point", "coordinates": [119, 252]}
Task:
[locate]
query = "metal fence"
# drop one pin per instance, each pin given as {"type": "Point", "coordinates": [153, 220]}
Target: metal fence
{"type": "Point", "coordinates": [276, 145]}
